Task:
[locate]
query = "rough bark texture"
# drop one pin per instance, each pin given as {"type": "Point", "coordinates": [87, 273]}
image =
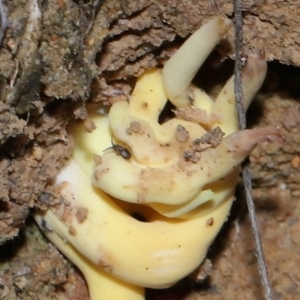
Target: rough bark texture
{"type": "Point", "coordinates": [57, 54]}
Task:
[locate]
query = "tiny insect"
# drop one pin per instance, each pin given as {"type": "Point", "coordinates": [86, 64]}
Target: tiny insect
{"type": "Point", "coordinates": [120, 150]}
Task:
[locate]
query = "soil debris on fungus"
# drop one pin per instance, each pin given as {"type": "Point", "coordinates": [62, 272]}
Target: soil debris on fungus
{"type": "Point", "coordinates": [192, 156]}
{"type": "Point", "coordinates": [81, 214]}
{"type": "Point", "coordinates": [212, 138]}
{"type": "Point", "coordinates": [135, 127]}
{"type": "Point", "coordinates": [56, 55]}
{"type": "Point", "coordinates": [97, 159]}
{"type": "Point", "coordinates": [181, 134]}
{"type": "Point", "coordinates": [89, 125]}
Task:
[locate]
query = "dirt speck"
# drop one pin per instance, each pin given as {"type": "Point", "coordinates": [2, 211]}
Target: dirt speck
{"type": "Point", "coordinates": [210, 222]}
{"type": "Point", "coordinates": [107, 267]}
{"type": "Point", "coordinates": [181, 134]}
{"type": "Point", "coordinates": [211, 138]}
{"type": "Point", "coordinates": [295, 162]}
{"type": "Point", "coordinates": [191, 156]}
{"type": "Point", "coordinates": [72, 230]}
{"type": "Point", "coordinates": [203, 271]}
{"type": "Point", "coordinates": [81, 214]}
{"type": "Point", "coordinates": [135, 127]}
{"type": "Point", "coordinates": [89, 125]}
{"type": "Point", "coordinates": [97, 159]}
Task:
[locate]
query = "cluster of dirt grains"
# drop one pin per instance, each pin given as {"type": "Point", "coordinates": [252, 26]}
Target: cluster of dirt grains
{"type": "Point", "coordinates": [34, 269]}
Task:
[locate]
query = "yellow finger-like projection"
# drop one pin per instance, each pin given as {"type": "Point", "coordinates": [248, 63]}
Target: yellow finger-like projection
{"type": "Point", "coordinates": [143, 213]}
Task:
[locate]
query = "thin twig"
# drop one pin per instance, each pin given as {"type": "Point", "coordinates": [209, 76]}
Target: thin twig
{"type": "Point", "coordinates": [238, 91]}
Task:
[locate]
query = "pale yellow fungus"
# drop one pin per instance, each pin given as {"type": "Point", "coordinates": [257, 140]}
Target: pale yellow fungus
{"type": "Point", "coordinates": [181, 68]}
{"type": "Point", "coordinates": [177, 177]}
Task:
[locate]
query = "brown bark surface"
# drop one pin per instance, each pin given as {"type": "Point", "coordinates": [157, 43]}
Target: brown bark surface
{"type": "Point", "coordinates": [57, 54]}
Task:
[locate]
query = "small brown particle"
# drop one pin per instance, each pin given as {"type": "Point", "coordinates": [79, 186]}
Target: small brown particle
{"type": "Point", "coordinates": [135, 127]}
{"type": "Point", "coordinates": [11, 44]}
{"type": "Point", "coordinates": [106, 266]}
{"type": "Point", "coordinates": [72, 230]}
{"type": "Point", "coordinates": [97, 174]}
{"type": "Point", "coordinates": [210, 222]}
{"type": "Point", "coordinates": [81, 214]}
{"type": "Point", "coordinates": [37, 153]}
{"type": "Point", "coordinates": [194, 157]}
{"type": "Point", "coordinates": [166, 159]}
{"type": "Point", "coordinates": [203, 271]}
{"type": "Point", "coordinates": [54, 37]}
{"type": "Point", "coordinates": [295, 162]}
{"type": "Point", "coordinates": [89, 126]}
{"type": "Point", "coordinates": [213, 137]}
{"type": "Point", "coordinates": [81, 113]}
{"type": "Point", "coordinates": [91, 42]}
{"type": "Point", "coordinates": [97, 159]}
{"type": "Point", "coordinates": [181, 134]}
{"type": "Point", "coordinates": [60, 3]}
{"type": "Point", "coordinates": [67, 215]}
{"type": "Point", "coordinates": [61, 186]}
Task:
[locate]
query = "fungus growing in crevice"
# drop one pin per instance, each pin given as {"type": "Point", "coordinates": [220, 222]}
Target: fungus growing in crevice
{"type": "Point", "coordinates": [177, 201]}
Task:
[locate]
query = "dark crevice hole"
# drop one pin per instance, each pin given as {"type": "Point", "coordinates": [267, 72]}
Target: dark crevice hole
{"type": "Point", "coordinates": [139, 217]}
